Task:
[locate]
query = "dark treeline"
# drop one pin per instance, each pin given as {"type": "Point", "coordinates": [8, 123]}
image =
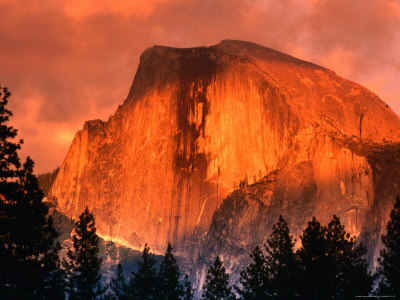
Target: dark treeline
{"type": "Point", "coordinates": [29, 262]}
{"type": "Point", "coordinates": [83, 265]}
{"type": "Point", "coordinates": [148, 282]}
{"type": "Point", "coordinates": [46, 180]}
{"type": "Point", "coordinates": [328, 265]}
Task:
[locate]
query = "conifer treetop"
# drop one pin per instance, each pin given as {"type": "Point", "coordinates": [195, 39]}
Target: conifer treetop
{"type": "Point", "coordinates": [389, 260]}
{"type": "Point", "coordinates": [217, 286]}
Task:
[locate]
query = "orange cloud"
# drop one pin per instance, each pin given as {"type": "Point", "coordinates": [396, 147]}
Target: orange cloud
{"type": "Point", "coordinates": [84, 8]}
{"type": "Point", "coordinates": [342, 59]}
{"type": "Point", "coordinates": [68, 61]}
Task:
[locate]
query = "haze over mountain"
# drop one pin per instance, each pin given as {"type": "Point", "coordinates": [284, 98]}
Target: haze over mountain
{"type": "Point", "coordinates": [200, 122]}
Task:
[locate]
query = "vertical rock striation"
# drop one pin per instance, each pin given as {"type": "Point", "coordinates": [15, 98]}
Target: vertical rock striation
{"type": "Point", "coordinates": [198, 121]}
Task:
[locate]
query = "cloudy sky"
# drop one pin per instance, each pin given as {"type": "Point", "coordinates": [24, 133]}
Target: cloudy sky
{"type": "Point", "coordinates": [67, 61]}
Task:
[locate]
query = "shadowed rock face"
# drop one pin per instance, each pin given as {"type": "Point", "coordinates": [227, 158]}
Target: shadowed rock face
{"type": "Point", "coordinates": [246, 216]}
{"type": "Point", "coordinates": [197, 121]}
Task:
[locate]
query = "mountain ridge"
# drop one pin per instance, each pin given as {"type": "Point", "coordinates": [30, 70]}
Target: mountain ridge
{"type": "Point", "coordinates": [198, 121]}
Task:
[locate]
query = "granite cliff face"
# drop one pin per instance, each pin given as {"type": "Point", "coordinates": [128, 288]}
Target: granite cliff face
{"type": "Point", "coordinates": [246, 216]}
{"type": "Point", "coordinates": [198, 121]}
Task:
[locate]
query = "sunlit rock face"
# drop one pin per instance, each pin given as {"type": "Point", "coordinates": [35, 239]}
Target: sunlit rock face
{"type": "Point", "coordinates": [198, 121]}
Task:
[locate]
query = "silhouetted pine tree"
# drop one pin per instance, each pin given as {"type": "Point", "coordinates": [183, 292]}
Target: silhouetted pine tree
{"type": "Point", "coordinates": [350, 276]}
{"type": "Point", "coordinates": [315, 273]}
{"type": "Point", "coordinates": [187, 289]}
{"type": "Point", "coordinates": [217, 286]}
{"type": "Point", "coordinates": [83, 265]}
{"type": "Point", "coordinates": [144, 283]}
{"type": "Point", "coordinates": [29, 259]}
{"type": "Point", "coordinates": [331, 265]}
{"type": "Point", "coordinates": [389, 260]}
{"type": "Point", "coordinates": [280, 260]}
{"type": "Point", "coordinates": [170, 288]}
{"type": "Point", "coordinates": [253, 280]}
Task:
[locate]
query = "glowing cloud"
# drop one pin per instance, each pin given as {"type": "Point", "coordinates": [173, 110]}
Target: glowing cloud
{"type": "Point", "coordinates": [84, 8]}
{"type": "Point", "coordinates": [80, 56]}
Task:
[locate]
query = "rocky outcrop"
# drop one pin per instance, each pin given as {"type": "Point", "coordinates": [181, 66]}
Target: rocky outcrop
{"type": "Point", "coordinates": [246, 216]}
{"type": "Point", "coordinates": [198, 121]}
